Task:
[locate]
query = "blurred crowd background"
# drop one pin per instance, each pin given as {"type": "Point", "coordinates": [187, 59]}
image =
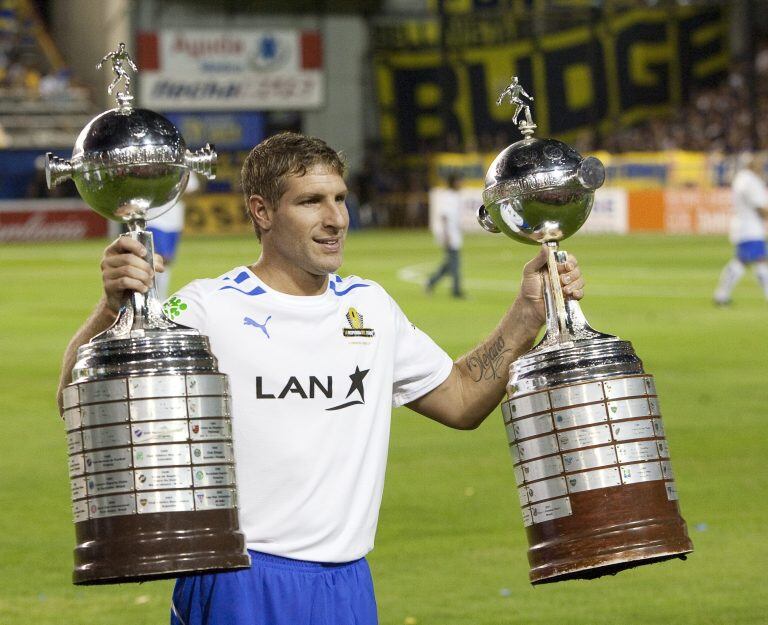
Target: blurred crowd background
{"type": "Point", "coordinates": [406, 89]}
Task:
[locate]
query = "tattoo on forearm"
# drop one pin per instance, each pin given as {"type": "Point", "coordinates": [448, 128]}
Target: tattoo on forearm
{"type": "Point", "coordinates": [485, 362]}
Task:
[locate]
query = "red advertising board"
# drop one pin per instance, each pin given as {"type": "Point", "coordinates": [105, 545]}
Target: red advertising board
{"type": "Point", "coordinates": [49, 220]}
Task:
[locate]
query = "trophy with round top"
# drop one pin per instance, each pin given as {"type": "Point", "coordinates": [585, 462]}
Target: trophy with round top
{"type": "Point", "coordinates": [147, 412]}
{"type": "Point", "coordinates": [590, 456]}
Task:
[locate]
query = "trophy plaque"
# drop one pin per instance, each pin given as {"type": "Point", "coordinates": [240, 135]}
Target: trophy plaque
{"type": "Point", "coordinates": [590, 456]}
{"type": "Point", "coordinates": [147, 413]}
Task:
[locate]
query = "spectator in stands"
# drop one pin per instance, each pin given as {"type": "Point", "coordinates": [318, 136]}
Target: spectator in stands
{"type": "Point", "coordinates": [450, 236]}
{"type": "Point", "coordinates": [750, 209]}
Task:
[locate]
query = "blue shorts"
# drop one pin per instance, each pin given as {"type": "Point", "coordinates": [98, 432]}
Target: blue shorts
{"type": "Point", "coordinates": [165, 243]}
{"type": "Point", "coordinates": [278, 591]}
{"type": "Point", "coordinates": [751, 251]}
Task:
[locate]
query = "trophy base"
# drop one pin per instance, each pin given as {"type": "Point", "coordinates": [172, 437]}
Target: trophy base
{"type": "Point", "coordinates": [591, 462]}
{"type": "Point", "coordinates": [157, 546]}
{"type": "Point", "coordinates": [151, 460]}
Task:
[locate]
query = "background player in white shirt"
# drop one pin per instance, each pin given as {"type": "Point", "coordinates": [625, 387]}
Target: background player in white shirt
{"type": "Point", "coordinates": [315, 362]}
{"type": "Point", "coordinates": [450, 236]}
{"type": "Point", "coordinates": [749, 196]}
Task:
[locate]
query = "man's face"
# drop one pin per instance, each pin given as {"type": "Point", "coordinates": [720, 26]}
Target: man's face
{"type": "Point", "coordinates": [309, 225]}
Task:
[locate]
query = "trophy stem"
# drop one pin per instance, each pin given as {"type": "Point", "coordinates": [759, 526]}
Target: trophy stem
{"type": "Point", "coordinates": [566, 322]}
{"type": "Point", "coordinates": [562, 319]}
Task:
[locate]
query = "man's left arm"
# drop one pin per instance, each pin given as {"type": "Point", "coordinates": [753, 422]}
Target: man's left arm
{"type": "Point", "coordinates": [478, 379]}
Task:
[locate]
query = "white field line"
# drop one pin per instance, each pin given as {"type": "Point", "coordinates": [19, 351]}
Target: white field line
{"type": "Point", "coordinates": [417, 274]}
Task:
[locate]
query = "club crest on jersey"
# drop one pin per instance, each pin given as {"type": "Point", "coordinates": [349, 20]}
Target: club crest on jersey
{"type": "Point", "coordinates": [356, 325]}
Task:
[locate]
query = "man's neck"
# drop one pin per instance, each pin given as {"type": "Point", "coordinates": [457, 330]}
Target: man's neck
{"type": "Point", "coordinates": [296, 282]}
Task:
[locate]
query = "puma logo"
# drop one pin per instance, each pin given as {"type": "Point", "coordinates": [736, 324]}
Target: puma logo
{"type": "Point", "coordinates": [247, 321]}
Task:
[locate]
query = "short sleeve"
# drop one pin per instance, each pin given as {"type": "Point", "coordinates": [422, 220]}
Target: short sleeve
{"type": "Point", "coordinates": [420, 364]}
{"type": "Point", "coordinates": [186, 307]}
{"type": "Point", "coordinates": [759, 193]}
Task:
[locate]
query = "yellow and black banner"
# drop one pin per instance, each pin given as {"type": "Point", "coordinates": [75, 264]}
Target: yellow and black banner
{"type": "Point", "coordinates": [439, 78]}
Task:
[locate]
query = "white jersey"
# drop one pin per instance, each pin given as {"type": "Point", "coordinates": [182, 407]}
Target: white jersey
{"type": "Point", "coordinates": [448, 226]}
{"type": "Point", "coordinates": [313, 382]}
{"type": "Point", "coordinates": [749, 193]}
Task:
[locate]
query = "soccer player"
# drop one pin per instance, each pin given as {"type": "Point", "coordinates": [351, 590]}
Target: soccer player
{"type": "Point", "coordinates": [749, 196]}
{"type": "Point", "coordinates": [450, 235]}
{"type": "Point", "coordinates": [316, 362]}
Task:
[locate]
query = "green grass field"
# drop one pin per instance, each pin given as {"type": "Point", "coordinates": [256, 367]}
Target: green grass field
{"type": "Point", "coordinates": [450, 549]}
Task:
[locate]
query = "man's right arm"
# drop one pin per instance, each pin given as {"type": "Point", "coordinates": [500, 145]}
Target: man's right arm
{"type": "Point", "coordinates": [123, 269]}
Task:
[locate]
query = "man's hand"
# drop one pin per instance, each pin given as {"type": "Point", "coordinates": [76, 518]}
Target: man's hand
{"type": "Point", "coordinates": [123, 269]}
{"type": "Point", "coordinates": [532, 287]}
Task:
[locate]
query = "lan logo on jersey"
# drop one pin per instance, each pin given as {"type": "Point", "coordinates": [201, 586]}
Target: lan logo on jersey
{"type": "Point", "coordinates": [356, 325]}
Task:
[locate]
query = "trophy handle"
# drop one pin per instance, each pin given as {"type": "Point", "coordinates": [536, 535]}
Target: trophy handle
{"type": "Point", "coordinates": [565, 320]}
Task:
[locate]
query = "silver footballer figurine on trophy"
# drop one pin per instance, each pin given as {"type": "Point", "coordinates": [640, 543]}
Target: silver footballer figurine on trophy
{"type": "Point", "coordinates": [147, 412]}
{"type": "Point", "coordinates": [590, 456]}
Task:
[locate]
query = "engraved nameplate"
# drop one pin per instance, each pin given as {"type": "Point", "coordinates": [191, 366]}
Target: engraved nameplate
{"type": "Point", "coordinates": [77, 487]}
{"type": "Point", "coordinates": [637, 452]}
{"type": "Point", "coordinates": [528, 405]}
{"type": "Point", "coordinates": [628, 408]}
{"type": "Point", "coordinates": [625, 387]}
{"type": "Point", "coordinates": [114, 505]}
{"type": "Point", "coordinates": [584, 437]}
{"type": "Point", "coordinates": [522, 494]}
{"type": "Point", "coordinates": [70, 396]}
{"type": "Point", "coordinates": [161, 455]}
{"type": "Point", "coordinates": [74, 442]}
{"type": "Point", "coordinates": [579, 394]}
{"type": "Point", "coordinates": [643, 472]}
{"type": "Point", "coordinates": [159, 409]}
{"type": "Point", "coordinates": [650, 385]}
{"type": "Point", "coordinates": [546, 489]}
{"type": "Point", "coordinates": [527, 517]}
{"type": "Point", "coordinates": [534, 448]}
{"type": "Point", "coordinates": [80, 510]}
{"type": "Point", "coordinates": [214, 475]}
{"type": "Point", "coordinates": [666, 470]}
{"type": "Point", "coordinates": [111, 436]}
{"type": "Point", "coordinates": [589, 458]}
{"type": "Point", "coordinates": [653, 404]}
{"type": "Point", "coordinates": [76, 465]}
{"type": "Point", "coordinates": [215, 498]}
{"type": "Point", "coordinates": [208, 429]}
{"type": "Point", "coordinates": [201, 407]}
{"type": "Point", "coordinates": [658, 428]}
{"type": "Point", "coordinates": [163, 477]}
{"type": "Point", "coordinates": [160, 432]}
{"type": "Point", "coordinates": [212, 452]}
{"type": "Point", "coordinates": [103, 390]}
{"type": "Point", "coordinates": [166, 501]}
{"type": "Point", "coordinates": [115, 482]}
{"type": "Point", "coordinates": [157, 386]}
{"type": "Point", "coordinates": [104, 414]}
{"type": "Point", "coordinates": [206, 385]}
{"type": "Point", "coordinates": [671, 491]}
{"type": "Point", "coordinates": [539, 469]}
{"type": "Point", "coordinates": [591, 480]}
{"type": "Point", "coordinates": [72, 419]}
{"type": "Point", "coordinates": [518, 474]}
{"type": "Point", "coordinates": [530, 426]}
{"type": "Point", "coordinates": [633, 429]}
{"type": "Point", "coordinates": [583, 415]}
{"type": "Point", "coordinates": [108, 460]}
{"type": "Point", "coordinates": [550, 510]}
{"type": "Point", "coordinates": [663, 448]}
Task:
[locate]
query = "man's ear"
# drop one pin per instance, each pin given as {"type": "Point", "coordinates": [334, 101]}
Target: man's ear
{"type": "Point", "coordinates": [260, 212]}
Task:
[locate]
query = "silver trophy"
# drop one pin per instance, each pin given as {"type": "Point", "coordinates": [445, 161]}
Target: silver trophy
{"type": "Point", "coordinates": [147, 413]}
{"type": "Point", "coordinates": [590, 456]}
